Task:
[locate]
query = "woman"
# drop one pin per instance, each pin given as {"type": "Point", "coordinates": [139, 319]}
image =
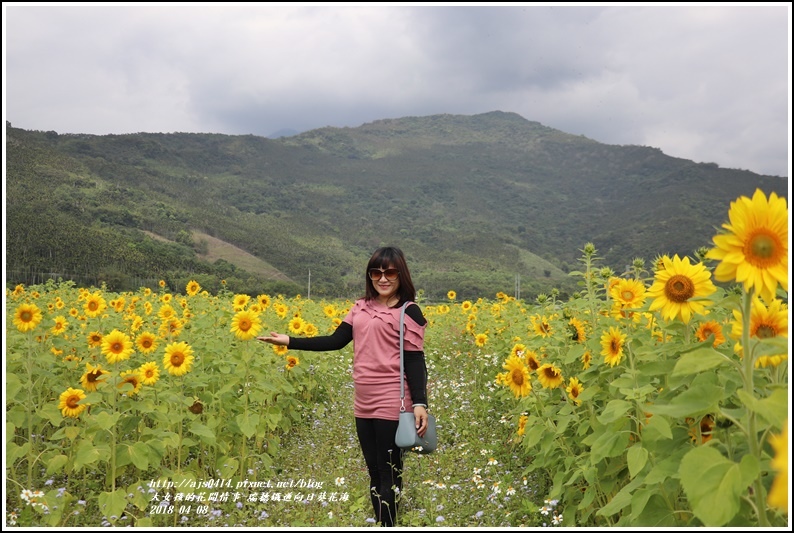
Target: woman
{"type": "Point", "coordinates": [373, 325]}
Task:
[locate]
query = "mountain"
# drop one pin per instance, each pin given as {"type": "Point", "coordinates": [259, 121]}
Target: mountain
{"type": "Point", "coordinates": [476, 202]}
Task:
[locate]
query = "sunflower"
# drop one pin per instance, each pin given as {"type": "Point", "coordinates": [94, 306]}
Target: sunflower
{"type": "Point", "coordinates": [91, 379]}
{"type": "Point", "coordinates": [27, 317]}
{"type": "Point", "coordinates": [533, 360]}
{"type": "Point", "coordinates": [136, 324]}
{"type": "Point", "coordinates": [706, 427]}
{"type": "Point", "coordinates": [171, 327]}
{"type": "Point", "coordinates": [166, 312]}
{"type": "Point", "coordinates": [240, 301]}
{"type": "Point", "coordinates": [518, 349]}
{"type": "Point", "coordinates": [118, 305]}
{"type": "Point", "coordinates": [480, 339]}
{"type": "Point", "coordinates": [310, 330]}
{"type": "Point", "coordinates": [192, 288]}
{"type": "Point", "coordinates": [770, 360]}
{"type": "Point", "coordinates": [587, 357]}
{"type": "Point", "coordinates": [576, 330]}
{"type": "Point", "coordinates": [451, 295]}
{"type": "Point", "coordinates": [149, 373]}
{"type": "Point", "coordinates": [707, 329]}
{"type": "Point", "coordinates": [550, 376]}
{"type": "Point", "coordinates": [264, 301]}
{"type": "Point", "coordinates": [754, 251]}
{"type": "Point", "coordinates": [296, 325]}
{"type": "Point", "coordinates": [329, 311]}
{"type": "Point", "coordinates": [133, 378]}
{"type": "Point", "coordinates": [94, 305]}
{"type": "Point", "coordinates": [178, 358]}
{"type": "Point", "coordinates": [629, 293]}
{"type": "Point", "coordinates": [517, 377]}
{"type": "Point", "coordinates": [542, 325]}
{"type": "Point", "coordinates": [280, 350]}
{"type": "Point", "coordinates": [161, 283]}
{"type": "Point", "coordinates": [69, 402]}
{"type": "Point", "coordinates": [95, 339]}
{"type": "Point", "coordinates": [116, 346]}
{"type": "Point", "coordinates": [612, 342]}
{"type": "Point", "coordinates": [522, 425]}
{"type": "Point", "coordinates": [466, 306]}
{"type": "Point", "coordinates": [60, 325]}
{"type": "Point", "coordinates": [778, 492]}
{"type": "Point", "coordinates": [281, 310]}
{"type": "Point", "coordinates": [658, 262]}
{"type": "Point", "coordinates": [245, 325]}
{"type": "Point", "coordinates": [676, 285]}
{"type": "Point", "coordinates": [574, 389]}
{"type": "Point", "coordinates": [765, 322]}
{"type": "Point", "coordinates": [167, 298]}
{"type": "Point", "coordinates": [611, 283]}
{"type": "Point", "coordinates": [292, 362]}
{"type": "Point", "coordinates": [197, 408]}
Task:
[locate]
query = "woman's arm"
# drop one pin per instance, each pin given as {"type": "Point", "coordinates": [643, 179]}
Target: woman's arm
{"type": "Point", "coordinates": [414, 362]}
{"type": "Point", "coordinates": [340, 338]}
{"type": "Point", "coordinates": [416, 376]}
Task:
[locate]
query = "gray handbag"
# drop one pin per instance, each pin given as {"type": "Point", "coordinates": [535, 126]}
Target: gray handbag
{"type": "Point", "coordinates": [407, 438]}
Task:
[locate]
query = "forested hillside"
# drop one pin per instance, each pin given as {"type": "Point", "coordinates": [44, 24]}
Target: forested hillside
{"type": "Point", "coordinates": [476, 202]}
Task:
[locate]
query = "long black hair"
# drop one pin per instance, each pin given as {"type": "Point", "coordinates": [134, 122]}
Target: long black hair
{"type": "Point", "coordinates": [390, 256]}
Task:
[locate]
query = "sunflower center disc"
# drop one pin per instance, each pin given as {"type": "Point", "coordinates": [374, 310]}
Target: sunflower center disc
{"type": "Point", "coordinates": [762, 249]}
{"type": "Point", "coordinates": [679, 289]}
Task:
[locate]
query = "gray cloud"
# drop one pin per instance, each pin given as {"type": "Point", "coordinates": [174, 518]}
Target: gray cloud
{"type": "Point", "coordinates": [703, 83]}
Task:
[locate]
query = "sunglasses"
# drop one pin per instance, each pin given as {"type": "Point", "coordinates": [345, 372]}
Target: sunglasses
{"type": "Point", "coordinates": [390, 273]}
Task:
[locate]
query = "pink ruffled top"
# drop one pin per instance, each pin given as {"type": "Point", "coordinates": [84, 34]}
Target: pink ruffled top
{"type": "Point", "coordinates": [376, 358]}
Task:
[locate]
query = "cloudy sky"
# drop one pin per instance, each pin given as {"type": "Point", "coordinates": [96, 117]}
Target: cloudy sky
{"type": "Point", "coordinates": [711, 84]}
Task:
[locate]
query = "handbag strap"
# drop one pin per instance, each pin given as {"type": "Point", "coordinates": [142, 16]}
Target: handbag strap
{"type": "Point", "coordinates": [402, 364]}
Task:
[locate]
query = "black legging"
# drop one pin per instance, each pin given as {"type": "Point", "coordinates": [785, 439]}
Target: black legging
{"type": "Point", "coordinates": [384, 463]}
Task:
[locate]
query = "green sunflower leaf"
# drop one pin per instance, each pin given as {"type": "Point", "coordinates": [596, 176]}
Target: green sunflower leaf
{"type": "Point", "coordinates": [702, 396]}
{"type": "Point", "coordinates": [636, 458]}
{"type": "Point", "coordinates": [111, 504]}
{"type": "Point", "coordinates": [773, 409]}
{"type": "Point", "coordinates": [614, 410]}
{"type": "Point", "coordinates": [697, 361]}
{"type": "Point", "coordinates": [714, 484]}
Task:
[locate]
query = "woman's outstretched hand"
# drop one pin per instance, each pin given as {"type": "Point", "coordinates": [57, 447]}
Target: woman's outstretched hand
{"type": "Point", "coordinates": [420, 414]}
{"type": "Point", "coordinates": [275, 338]}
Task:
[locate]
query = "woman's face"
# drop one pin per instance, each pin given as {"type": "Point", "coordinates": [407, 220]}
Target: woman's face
{"type": "Point", "coordinates": [385, 287]}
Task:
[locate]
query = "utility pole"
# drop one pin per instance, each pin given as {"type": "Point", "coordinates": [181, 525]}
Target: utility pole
{"type": "Point", "coordinates": [518, 286]}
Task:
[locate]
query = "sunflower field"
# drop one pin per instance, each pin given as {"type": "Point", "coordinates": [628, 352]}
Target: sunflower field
{"type": "Point", "coordinates": [656, 397]}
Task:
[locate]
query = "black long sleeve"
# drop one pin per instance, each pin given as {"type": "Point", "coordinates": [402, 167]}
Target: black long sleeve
{"type": "Point", "coordinates": [414, 362]}
{"type": "Point", "coordinates": [416, 375]}
{"type": "Point", "coordinates": [340, 338]}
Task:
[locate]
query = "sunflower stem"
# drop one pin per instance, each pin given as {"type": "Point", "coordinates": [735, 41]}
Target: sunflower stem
{"type": "Point", "coordinates": [245, 411]}
{"type": "Point", "coordinates": [749, 387]}
{"type": "Point", "coordinates": [113, 429]}
{"type": "Point", "coordinates": [31, 450]}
